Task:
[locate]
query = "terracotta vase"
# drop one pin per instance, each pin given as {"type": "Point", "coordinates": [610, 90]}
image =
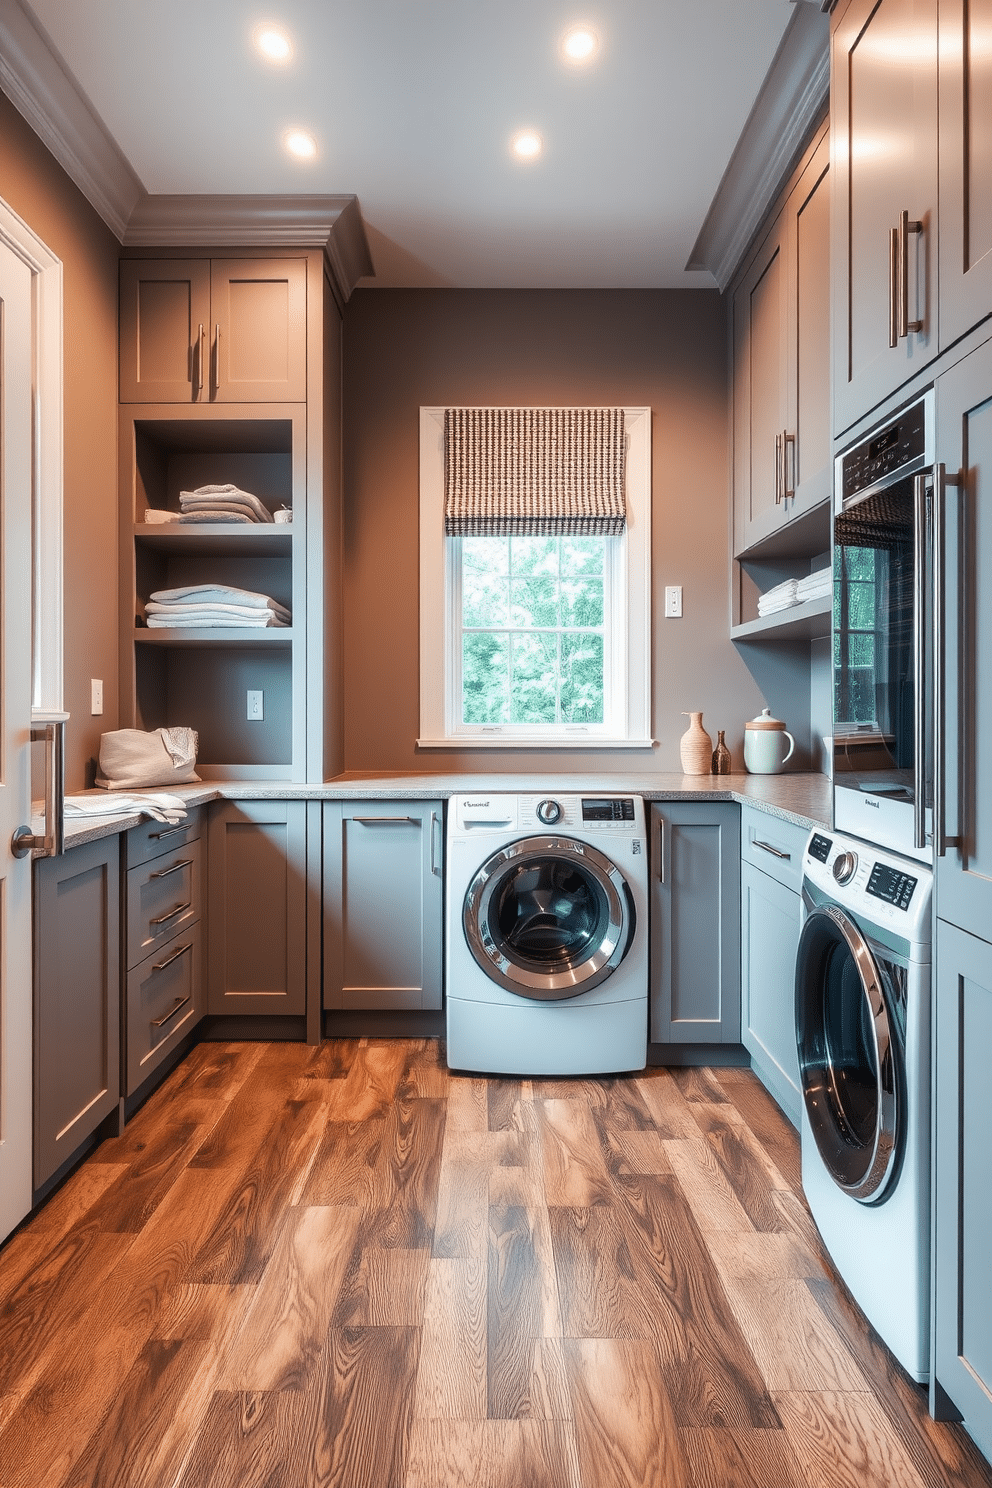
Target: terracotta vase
{"type": "Point", "coordinates": [695, 747]}
{"type": "Point", "coordinates": [721, 755]}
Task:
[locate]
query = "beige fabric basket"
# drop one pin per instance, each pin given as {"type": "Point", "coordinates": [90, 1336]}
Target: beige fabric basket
{"type": "Point", "coordinates": [131, 759]}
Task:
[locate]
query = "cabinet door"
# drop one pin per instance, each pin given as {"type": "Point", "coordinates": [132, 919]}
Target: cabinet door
{"type": "Point", "coordinates": [164, 331]}
{"type": "Point", "coordinates": [761, 346]}
{"type": "Point", "coordinates": [963, 1178]}
{"type": "Point", "coordinates": [77, 999]}
{"type": "Point", "coordinates": [808, 463]}
{"type": "Point", "coordinates": [965, 145]}
{"type": "Point", "coordinates": [769, 940]}
{"type": "Point", "coordinates": [883, 122]}
{"type": "Point", "coordinates": [695, 923]}
{"type": "Point", "coordinates": [256, 908]}
{"type": "Point", "coordinates": [259, 331]}
{"type": "Point", "coordinates": [383, 927]}
{"type": "Point", "coordinates": [964, 441]}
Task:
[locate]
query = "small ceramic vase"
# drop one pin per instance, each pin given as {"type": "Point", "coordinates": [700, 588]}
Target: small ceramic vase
{"type": "Point", "coordinates": [765, 750]}
{"type": "Point", "coordinates": [695, 747]}
{"type": "Point", "coordinates": [721, 756]}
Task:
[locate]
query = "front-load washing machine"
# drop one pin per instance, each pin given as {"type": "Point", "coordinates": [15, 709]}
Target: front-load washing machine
{"type": "Point", "coordinates": [863, 1034]}
{"type": "Point", "coordinates": [546, 934]}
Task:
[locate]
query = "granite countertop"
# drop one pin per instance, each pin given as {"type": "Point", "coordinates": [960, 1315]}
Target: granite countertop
{"type": "Point", "coordinates": [803, 799]}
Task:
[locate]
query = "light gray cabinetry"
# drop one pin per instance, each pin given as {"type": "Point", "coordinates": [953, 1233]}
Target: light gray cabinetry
{"type": "Point", "coordinates": [383, 908]}
{"type": "Point", "coordinates": [781, 360]}
{"type": "Point", "coordinates": [965, 165]}
{"type": "Point", "coordinates": [257, 908]}
{"type": "Point", "coordinates": [695, 991]}
{"type": "Point", "coordinates": [163, 999]}
{"type": "Point", "coordinates": [963, 1180]}
{"type": "Point", "coordinates": [77, 991]}
{"type": "Point", "coordinates": [771, 875]}
{"type": "Point", "coordinates": [883, 123]}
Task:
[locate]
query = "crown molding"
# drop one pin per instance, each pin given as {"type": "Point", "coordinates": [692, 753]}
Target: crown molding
{"type": "Point", "coordinates": [791, 102]}
{"type": "Point", "coordinates": [35, 81]}
{"type": "Point", "coordinates": [333, 223]}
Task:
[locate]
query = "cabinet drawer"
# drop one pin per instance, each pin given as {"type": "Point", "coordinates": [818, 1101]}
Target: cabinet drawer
{"type": "Point", "coordinates": [773, 845]}
{"type": "Point", "coordinates": [154, 837]}
{"type": "Point", "coordinates": [163, 1003]}
{"type": "Point", "coordinates": [163, 898]}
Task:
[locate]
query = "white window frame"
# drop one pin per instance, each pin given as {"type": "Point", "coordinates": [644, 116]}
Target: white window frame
{"type": "Point", "coordinates": [627, 724]}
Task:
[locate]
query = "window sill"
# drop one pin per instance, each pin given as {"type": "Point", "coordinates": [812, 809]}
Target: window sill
{"type": "Point", "coordinates": [523, 741]}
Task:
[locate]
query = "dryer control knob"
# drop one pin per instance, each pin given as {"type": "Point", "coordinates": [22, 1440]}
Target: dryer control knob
{"type": "Point", "coordinates": [845, 866]}
{"type": "Point", "coordinates": [548, 812]}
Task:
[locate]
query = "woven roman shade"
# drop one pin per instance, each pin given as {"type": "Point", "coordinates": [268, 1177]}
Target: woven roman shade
{"type": "Point", "coordinates": [533, 472]}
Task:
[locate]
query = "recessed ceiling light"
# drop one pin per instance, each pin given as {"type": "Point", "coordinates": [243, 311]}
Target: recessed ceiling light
{"type": "Point", "coordinates": [272, 43]}
{"type": "Point", "coordinates": [580, 44]}
{"type": "Point", "coordinates": [300, 144]}
{"type": "Point", "coordinates": [527, 144]}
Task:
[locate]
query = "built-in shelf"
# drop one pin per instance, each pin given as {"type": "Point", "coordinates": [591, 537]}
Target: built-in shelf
{"type": "Point", "coordinates": [226, 538]}
{"type": "Point", "coordinates": [227, 637]}
{"type": "Point", "coordinates": [801, 536]}
{"type": "Point", "coordinates": [802, 622]}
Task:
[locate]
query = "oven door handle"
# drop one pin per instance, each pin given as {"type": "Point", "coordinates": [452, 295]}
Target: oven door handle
{"type": "Point", "coordinates": [919, 658]}
{"type": "Point", "coordinates": [941, 480]}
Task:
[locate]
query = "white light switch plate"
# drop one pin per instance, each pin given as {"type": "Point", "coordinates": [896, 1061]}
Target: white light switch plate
{"type": "Point", "coordinates": [255, 714]}
{"type": "Point", "coordinates": [673, 601]}
{"type": "Point", "coordinates": [96, 696]}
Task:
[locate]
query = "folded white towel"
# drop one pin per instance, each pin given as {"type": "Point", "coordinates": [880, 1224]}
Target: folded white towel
{"type": "Point", "coordinates": [785, 590]}
{"type": "Point", "coordinates": [155, 517]}
{"type": "Point", "coordinates": [815, 585]}
{"type": "Point", "coordinates": [209, 515]}
{"type": "Point", "coordinates": [213, 495]}
{"type": "Point", "coordinates": [266, 621]}
{"type": "Point", "coordinates": [771, 606]}
{"type": "Point", "coordinates": [212, 594]}
{"type": "Point", "coordinates": [163, 806]}
{"type": "Point", "coordinates": [215, 611]}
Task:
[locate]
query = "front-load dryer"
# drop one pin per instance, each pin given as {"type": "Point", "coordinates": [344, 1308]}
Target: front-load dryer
{"type": "Point", "coordinates": [546, 934]}
{"type": "Point", "coordinates": [863, 1035]}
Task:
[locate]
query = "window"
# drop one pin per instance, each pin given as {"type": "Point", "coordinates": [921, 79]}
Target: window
{"type": "Point", "coordinates": [537, 641]}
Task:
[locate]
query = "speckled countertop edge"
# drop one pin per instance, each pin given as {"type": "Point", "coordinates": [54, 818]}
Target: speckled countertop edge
{"type": "Point", "coordinates": [802, 799]}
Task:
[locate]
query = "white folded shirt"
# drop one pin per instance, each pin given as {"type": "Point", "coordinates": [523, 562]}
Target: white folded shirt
{"type": "Point", "coordinates": [163, 806]}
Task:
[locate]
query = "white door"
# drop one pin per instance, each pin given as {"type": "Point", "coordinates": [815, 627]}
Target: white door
{"type": "Point", "coordinates": [16, 396]}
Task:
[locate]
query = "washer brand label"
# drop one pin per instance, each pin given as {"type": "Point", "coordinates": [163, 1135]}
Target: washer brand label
{"type": "Point", "coordinates": [635, 847]}
{"type": "Point", "coordinates": [875, 805]}
{"type": "Point", "coordinates": [475, 805]}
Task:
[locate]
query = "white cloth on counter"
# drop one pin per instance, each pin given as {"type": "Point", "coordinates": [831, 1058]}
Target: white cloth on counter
{"type": "Point", "coordinates": [206, 606]}
{"type": "Point", "coordinates": [163, 806]}
{"type": "Point", "coordinates": [224, 498]}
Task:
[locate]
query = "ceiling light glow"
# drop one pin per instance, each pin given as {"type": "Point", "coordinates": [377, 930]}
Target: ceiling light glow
{"type": "Point", "coordinates": [580, 44]}
{"type": "Point", "coordinates": [300, 144]}
{"type": "Point", "coordinates": [272, 43]}
{"type": "Point", "coordinates": [527, 145]}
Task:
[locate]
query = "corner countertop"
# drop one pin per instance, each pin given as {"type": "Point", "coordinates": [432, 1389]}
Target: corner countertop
{"type": "Point", "coordinates": [803, 799]}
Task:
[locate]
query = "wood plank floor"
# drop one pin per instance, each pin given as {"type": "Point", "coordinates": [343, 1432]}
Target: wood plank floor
{"type": "Point", "coordinates": [343, 1266]}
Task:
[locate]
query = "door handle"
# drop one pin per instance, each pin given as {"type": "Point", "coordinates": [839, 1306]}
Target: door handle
{"type": "Point", "coordinates": [52, 844]}
{"type": "Point", "coordinates": [905, 228]}
{"type": "Point", "coordinates": [941, 480]}
{"type": "Point", "coordinates": [434, 855]}
{"type": "Point", "coordinates": [919, 658]}
{"type": "Point", "coordinates": [198, 364]}
{"type": "Point", "coordinates": [161, 920]}
{"type": "Point", "coordinates": [217, 358]}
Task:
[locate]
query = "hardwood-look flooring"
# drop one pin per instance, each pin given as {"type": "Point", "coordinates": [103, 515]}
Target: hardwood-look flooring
{"type": "Point", "coordinates": [343, 1267]}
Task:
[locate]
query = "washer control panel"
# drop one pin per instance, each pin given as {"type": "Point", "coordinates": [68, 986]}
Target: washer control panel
{"type": "Point", "coordinates": [888, 883]}
{"type": "Point", "coordinates": [607, 809]}
{"type": "Point", "coordinates": [549, 812]}
{"type": "Point", "coordinates": [871, 883]}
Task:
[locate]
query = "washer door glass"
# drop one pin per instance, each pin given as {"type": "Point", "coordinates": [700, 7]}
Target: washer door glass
{"type": "Point", "coordinates": [548, 917]}
{"type": "Point", "coordinates": [847, 1055]}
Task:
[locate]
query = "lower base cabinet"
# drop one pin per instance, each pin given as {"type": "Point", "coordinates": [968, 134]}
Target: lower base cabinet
{"type": "Point", "coordinates": [695, 968]}
{"type": "Point", "coordinates": [383, 905]}
{"type": "Point", "coordinates": [257, 908]}
{"type": "Point", "coordinates": [770, 915]}
{"type": "Point", "coordinates": [962, 1346]}
{"type": "Point", "coordinates": [77, 992]}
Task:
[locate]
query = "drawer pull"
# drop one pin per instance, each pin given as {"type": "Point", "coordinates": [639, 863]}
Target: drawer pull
{"type": "Point", "coordinates": [164, 872]}
{"type": "Point", "coordinates": [161, 965]}
{"type": "Point", "coordinates": [767, 847]}
{"type": "Point", "coordinates": [172, 913]}
{"type": "Point", "coordinates": [167, 1017]}
{"type": "Point", "coordinates": [383, 821]}
{"type": "Point", "coordinates": [169, 832]}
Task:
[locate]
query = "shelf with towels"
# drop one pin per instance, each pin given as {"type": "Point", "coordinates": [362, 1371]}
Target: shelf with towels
{"type": "Point", "coordinates": [801, 622]}
{"type": "Point", "coordinates": [222, 539]}
{"type": "Point", "coordinates": [226, 636]}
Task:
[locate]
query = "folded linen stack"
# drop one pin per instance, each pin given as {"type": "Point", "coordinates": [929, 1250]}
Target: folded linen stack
{"type": "Point", "coordinates": [205, 606]}
{"type": "Point", "coordinates": [782, 597]}
{"type": "Point", "coordinates": [815, 586]}
{"type": "Point", "coordinates": [163, 807]}
{"type": "Point", "coordinates": [221, 504]}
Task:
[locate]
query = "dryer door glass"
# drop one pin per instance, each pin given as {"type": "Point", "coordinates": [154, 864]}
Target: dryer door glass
{"type": "Point", "coordinates": [548, 917]}
{"type": "Point", "coordinates": [847, 1055]}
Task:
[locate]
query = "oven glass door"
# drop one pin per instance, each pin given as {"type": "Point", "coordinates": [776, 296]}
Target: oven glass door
{"type": "Point", "coordinates": [548, 917]}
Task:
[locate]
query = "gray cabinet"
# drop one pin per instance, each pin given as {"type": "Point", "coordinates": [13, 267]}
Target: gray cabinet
{"type": "Point", "coordinates": [383, 908]}
{"type": "Point", "coordinates": [883, 121]}
{"type": "Point", "coordinates": [257, 908]}
{"type": "Point", "coordinates": [962, 1346]}
{"type": "Point", "coordinates": [965, 153]}
{"type": "Point", "coordinates": [781, 336]}
{"type": "Point", "coordinates": [695, 985]}
{"type": "Point", "coordinates": [163, 998]}
{"type": "Point", "coordinates": [771, 875]}
{"type": "Point", "coordinates": [223, 330]}
{"type": "Point", "coordinates": [77, 994]}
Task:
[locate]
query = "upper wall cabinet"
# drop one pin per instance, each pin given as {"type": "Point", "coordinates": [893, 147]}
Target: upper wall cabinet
{"type": "Point", "coordinates": [213, 330]}
{"type": "Point", "coordinates": [965, 163]}
{"type": "Point", "coordinates": [781, 365]}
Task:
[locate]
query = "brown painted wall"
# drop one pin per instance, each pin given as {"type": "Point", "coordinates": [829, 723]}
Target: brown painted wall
{"type": "Point", "coordinates": [663, 348]}
{"type": "Point", "coordinates": [39, 191]}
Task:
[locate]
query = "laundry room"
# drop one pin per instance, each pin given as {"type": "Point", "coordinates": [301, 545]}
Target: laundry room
{"type": "Point", "coordinates": [494, 972]}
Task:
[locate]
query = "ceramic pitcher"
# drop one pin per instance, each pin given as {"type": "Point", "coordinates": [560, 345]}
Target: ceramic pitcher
{"type": "Point", "coordinates": [765, 750]}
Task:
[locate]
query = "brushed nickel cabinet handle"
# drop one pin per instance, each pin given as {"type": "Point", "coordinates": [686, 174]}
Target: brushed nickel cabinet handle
{"type": "Point", "coordinates": [920, 619]}
{"type": "Point", "coordinates": [52, 844]}
{"type": "Point", "coordinates": [788, 487]}
{"type": "Point", "coordinates": [905, 228]}
{"type": "Point", "coordinates": [169, 832]}
{"type": "Point", "coordinates": [767, 847]}
{"type": "Point", "coordinates": [198, 363]}
{"type": "Point", "coordinates": [161, 965]}
{"type": "Point", "coordinates": [894, 287]}
{"type": "Point", "coordinates": [164, 872]}
{"type": "Point", "coordinates": [661, 849]}
{"type": "Point", "coordinates": [941, 480]}
{"type": "Point", "coordinates": [172, 913]}
{"type": "Point", "coordinates": [378, 821]}
{"type": "Point", "coordinates": [434, 856]}
{"type": "Point", "coordinates": [778, 468]}
{"type": "Point", "coordinates": [167, 1017]}
{"type": "Point", "coordinates": [217, 358]}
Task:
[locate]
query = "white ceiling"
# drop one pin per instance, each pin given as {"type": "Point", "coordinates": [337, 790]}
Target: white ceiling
{"type": "Point", "coordinates": [413, 103]}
